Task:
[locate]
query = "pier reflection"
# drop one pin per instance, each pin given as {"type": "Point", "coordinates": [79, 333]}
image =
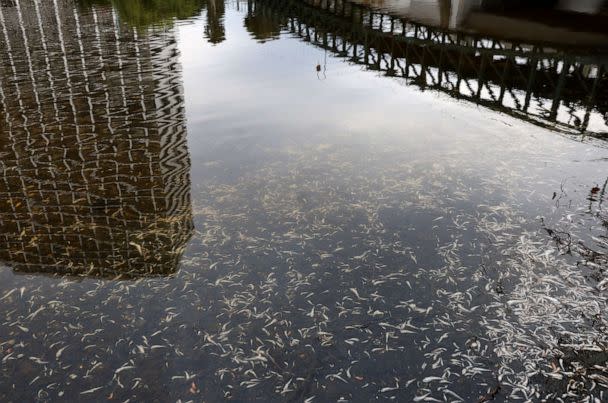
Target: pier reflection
{"type": "Point", "coordinates": [550, 85]}
{"type": "Point", "coordinates": [215, 31]}
{"type": "Point", "coordinates": [93, 153]}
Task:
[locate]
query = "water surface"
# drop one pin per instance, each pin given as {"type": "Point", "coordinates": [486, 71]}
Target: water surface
{"type": "Point", "coordinates": [308, 201]}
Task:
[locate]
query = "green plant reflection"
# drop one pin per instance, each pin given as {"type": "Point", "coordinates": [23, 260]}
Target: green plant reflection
{"type": "Point", "coordinates": [145, 13]}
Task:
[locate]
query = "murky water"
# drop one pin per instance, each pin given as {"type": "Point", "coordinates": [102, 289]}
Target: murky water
{"type": "Point", "coordinates": [306, 201]}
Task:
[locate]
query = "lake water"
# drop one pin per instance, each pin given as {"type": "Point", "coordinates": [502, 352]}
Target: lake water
{"type": "Point", "coordinates": [303, 201]}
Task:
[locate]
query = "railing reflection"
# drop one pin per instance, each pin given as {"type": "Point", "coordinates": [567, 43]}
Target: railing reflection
{"type": "Point", "coordinates": [93, 153]}
{"type": "Point", "coordinates": [549, 86]}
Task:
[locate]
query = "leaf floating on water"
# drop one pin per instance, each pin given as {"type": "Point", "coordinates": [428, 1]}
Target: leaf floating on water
{"type": "Point", "coordinates": [8, 294]}
{"type": "Point", "coordinates": [89, 391]}
{"type": "Point", "coordinates": [138, 247]}
{"type": "Point", "coordinates": [60, 351]}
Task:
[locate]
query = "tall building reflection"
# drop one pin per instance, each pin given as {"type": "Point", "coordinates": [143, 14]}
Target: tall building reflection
{"type": "Point", "coordinates": [94, 159]}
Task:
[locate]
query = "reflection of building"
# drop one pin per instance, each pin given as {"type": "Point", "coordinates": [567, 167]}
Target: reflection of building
{"type": "Point", "coordinates": [555, 21]}
{"type": "Point", "coordinates": [95, 166]}
{"type": "Point", "coordinates": [444, 13]}
{"type": "Point", "coordinates": [550, 86]}
{"type": "Point", "coordinates": [581, 6]}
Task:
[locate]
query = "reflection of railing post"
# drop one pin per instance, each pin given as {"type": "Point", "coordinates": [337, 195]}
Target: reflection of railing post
{"type": "Point", "coordinates": [407, 60]}
{"type": "Point", "coordinates": [559, 88]}
{"type": "Point", "coordinates": [531, 79]}
{"type": "Point", "coordinates": [591, 99]}
{"type": "Point", "coordinates": [505, 74]}
{"type": "Point", "coordinates": [459, 66]}
{"type": "Point", "coordinates": [392, 66]}
{"type": "Point", "coordinates": [366, 49]}
{"type": "Point", "coordinates": [480, 74]}
{"type": "Point", "coordinates": [423, 68]}
{"type": "Point", "coordinates": [441, 56]}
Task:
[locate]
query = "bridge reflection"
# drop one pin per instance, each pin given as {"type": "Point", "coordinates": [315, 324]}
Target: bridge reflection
{"type": "Point", "coordinates": [93, 157]}
{"type": "Point", "coordinates": [556, 87]}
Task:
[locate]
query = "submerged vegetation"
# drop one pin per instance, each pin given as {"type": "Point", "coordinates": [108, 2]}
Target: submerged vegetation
{"type": "Point", "coordinates": [317, 247]}
{"type": "Point", "coordinates": [313, 277]}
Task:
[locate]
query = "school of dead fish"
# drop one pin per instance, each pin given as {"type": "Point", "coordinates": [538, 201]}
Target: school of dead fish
{"type": "Point", "coordinates": [314, 278]}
